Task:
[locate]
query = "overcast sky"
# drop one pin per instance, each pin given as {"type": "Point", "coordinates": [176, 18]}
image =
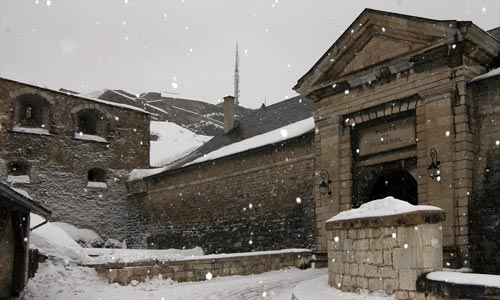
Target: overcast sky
{"type": "Point", "coordinates": [188, 46]}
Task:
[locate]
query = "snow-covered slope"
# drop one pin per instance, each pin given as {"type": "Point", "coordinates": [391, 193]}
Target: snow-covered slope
{"type": "Point", "coordinates": [173, 142]}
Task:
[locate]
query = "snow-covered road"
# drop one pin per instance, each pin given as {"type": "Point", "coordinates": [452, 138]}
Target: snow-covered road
{"type": "Point", "coordinates": [54, 281]}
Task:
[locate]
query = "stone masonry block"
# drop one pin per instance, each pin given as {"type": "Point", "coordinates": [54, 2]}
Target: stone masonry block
{"type": "Point", "coordinates": [388, 272]}
{"type": "Point", "coordinates": [390, 285]}
{"type": "Point", "coordinates": [407, 279]}
{"type": "Point", "coordinates": [404, 258]}
{"type": "Point", "coordinates": [387, 257]}
{"type": "Point", "coordinates": [371, 271]}
{"type": "Point", "coordinates": [375, 284]}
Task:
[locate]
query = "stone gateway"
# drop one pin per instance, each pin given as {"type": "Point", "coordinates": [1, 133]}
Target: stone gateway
{"type": "Point", "coordinates": [397, 97]}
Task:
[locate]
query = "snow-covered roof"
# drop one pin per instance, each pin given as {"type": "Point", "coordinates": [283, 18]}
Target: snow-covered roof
{"type": "Point", "coordinates": [388, 206]}
{"type": "Point", "coordinates": [268, 125]}
{"type": "Point", "coordinates": [492, 73]}
{"type": "Point", "coordinates": [21, 198]}
{"type": "Point", "coordinates": [125, 106]}
{"type": "Point", "coordinates": [275, 136]}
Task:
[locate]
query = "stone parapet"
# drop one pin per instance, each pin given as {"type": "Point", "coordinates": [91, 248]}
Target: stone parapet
{"type": "Point", "coordinates": [203, 268]}
{"type": "Point", "coordinates": [386, 253]}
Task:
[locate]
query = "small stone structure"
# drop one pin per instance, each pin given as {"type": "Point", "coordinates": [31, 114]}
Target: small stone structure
{"type": "Point", "coordinates": [386, 253]}
{"type": "Point", "coordinates": [198, 268]}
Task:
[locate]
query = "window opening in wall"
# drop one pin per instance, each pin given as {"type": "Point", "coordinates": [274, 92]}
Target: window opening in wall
{"type": "Point", "coordinates": [18, 172]}
{"type": "Point", "coordinates": [90, 126]}
{"type": "Point", "coordinates": [87, 122]}
{"type": "Point", "coordinates": [96, 178]}
{"type": "Point", "coordinates": [33, 111]}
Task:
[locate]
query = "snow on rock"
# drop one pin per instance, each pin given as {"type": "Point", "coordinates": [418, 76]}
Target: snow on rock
{"type": "Point", "coordinates": [319, 289]}
{"type": "Point", "coordinates": [86, 236]}
{"type": "Point", "coordinates": [378, 208]}
{"type": "Point", "coordinates": [491, 73]}
{"type": "Point", "coordinates": [173, 142]}
{"type": "Point", "coordinates": [466, 278]}
{"type": "Point", "coordinates": [22, 192]}
{"type": "Point", "coordinates": [33, 130]}
{"type": "Point", "coordinates": [271, 137]}
{"type": "Point", "coordinates": [18, 179]}
{"type": "Point", "coordinates": [89, 137]}
{"type": "Point", "coordinates": [54, 242]}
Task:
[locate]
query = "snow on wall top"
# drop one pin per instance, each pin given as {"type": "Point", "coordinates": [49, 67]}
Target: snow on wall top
{"type": "Point", "coordinates": [83, 97]}
{"type": "Point", "coordinates": [275, 136]}
{"type": "Point", "coordinates": [388, 206]}
{"type": "Point", "coordinates": [466, 278]}
{"type": "Point", "coordinates": [492, 73]}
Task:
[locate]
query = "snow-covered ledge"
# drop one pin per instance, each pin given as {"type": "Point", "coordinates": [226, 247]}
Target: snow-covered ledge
{"type": "Point", "coordinates": [89, 137]}
{"type": "Point", "coordinates": [384, 245]}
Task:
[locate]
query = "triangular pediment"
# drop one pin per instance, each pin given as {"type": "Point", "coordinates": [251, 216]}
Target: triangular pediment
{"type": "Point", "coordinates": [378, 49]}
{"type": "Point", "coordinates": [375, 38]}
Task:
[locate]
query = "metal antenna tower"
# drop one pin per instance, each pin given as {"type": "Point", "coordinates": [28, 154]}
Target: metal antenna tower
{"type": "Point", "coordinates": [237, 78]}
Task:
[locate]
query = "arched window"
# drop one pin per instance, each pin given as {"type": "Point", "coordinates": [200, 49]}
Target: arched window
{"type": "Point", "coordinates": [89, 122]}
{"type": "Point", "coordinates": [33, 110]}
{"type": "Point", "coordinates": [96, 177]}
{"type": "Point", "coordinates": [18, 172]}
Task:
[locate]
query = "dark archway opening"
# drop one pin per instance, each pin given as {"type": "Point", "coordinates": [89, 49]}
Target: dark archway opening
{"type": "Point", "coordinates": [398, 184]}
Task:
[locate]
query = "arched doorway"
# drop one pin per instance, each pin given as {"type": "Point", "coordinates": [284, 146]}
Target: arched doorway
{"type": "Point", "coordinates": [399, 184]}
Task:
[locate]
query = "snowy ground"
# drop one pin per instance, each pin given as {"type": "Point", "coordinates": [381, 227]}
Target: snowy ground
{"type": "Point", "coordinates": [61, 277]}
{"type": "Point", "coordinates": [56, 281]}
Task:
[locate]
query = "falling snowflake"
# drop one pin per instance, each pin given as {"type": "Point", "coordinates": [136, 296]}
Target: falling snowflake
{"type": "Point", "coordinates": [298, 200]}
{"type": "Point", "coordinates": [447, 133]}
{"type": "Point", "coordinates": [284, 133]}
{"type": "Point", "coordinates": [174, 85]}
{"type": "Point", "coordinates": [209, 276]}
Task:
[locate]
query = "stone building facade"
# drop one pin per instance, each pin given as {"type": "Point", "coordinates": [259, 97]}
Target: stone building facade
{"type": "Point", "coordinates": [255, 199]}
{"type": "Point", "coordinates": [72, 154]}
{"type": "Point", "coordinates": [393, 101]}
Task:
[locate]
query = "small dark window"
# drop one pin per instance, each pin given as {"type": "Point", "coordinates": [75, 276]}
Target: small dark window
{"type": "Point", "coordinates": [33, 110]}
{"type": "Point", "coordinates": [97, 175]}
{"type": "Point", "coordinates": [17, 168]}
{"type": "Point", "coordinates": [89, 122]}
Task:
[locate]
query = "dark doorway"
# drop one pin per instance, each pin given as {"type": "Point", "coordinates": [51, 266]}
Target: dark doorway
{"type": "Point", "coordinates": [398, 184]}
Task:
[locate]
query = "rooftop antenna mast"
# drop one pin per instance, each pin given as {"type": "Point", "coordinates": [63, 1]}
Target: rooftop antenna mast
{"type": "Point", "coordinates": [237, 78]}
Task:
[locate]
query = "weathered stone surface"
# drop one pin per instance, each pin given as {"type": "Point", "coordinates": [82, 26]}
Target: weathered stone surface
{"type": "Point", "coordinates": [245, 202]}
{"type": "Point", "coordinates": [58, 163]}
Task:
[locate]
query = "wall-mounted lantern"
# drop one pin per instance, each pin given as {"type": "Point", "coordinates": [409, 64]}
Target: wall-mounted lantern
{"type": "Point", "coordinates": [433, 169]}
{"type": "Point", "coordinates": [324, 186]}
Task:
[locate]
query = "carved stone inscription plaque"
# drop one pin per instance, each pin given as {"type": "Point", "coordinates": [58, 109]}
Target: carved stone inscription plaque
{"type": "Point", "coordinates": [387, 136]}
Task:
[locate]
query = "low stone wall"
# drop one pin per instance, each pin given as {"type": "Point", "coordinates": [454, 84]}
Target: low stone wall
{"type": "Point", "coordinates": [385, 253]}
{"type": "Point", "coordinates": [196, 269]}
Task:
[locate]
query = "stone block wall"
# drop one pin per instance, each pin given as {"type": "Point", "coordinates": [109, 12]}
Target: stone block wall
{"type": "Point", "coordinates": [259, 199]}
{"type": "Point", "coordinates": [196, 269]}
{"type": "Point", "coordinates": [484, 209]}
{"type": "Point", "coordinates": [385, 253]}
{"type": "Point", "coordinates": [59, 163]}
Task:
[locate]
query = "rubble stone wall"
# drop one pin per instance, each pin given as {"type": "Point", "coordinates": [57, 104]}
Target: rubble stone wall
{"type": "Point", "coordinates": [385, 253]}
{"type": "Point", "coordinates": [255, 200]}
{"type": "Point", "coordinates": [58, 162]}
